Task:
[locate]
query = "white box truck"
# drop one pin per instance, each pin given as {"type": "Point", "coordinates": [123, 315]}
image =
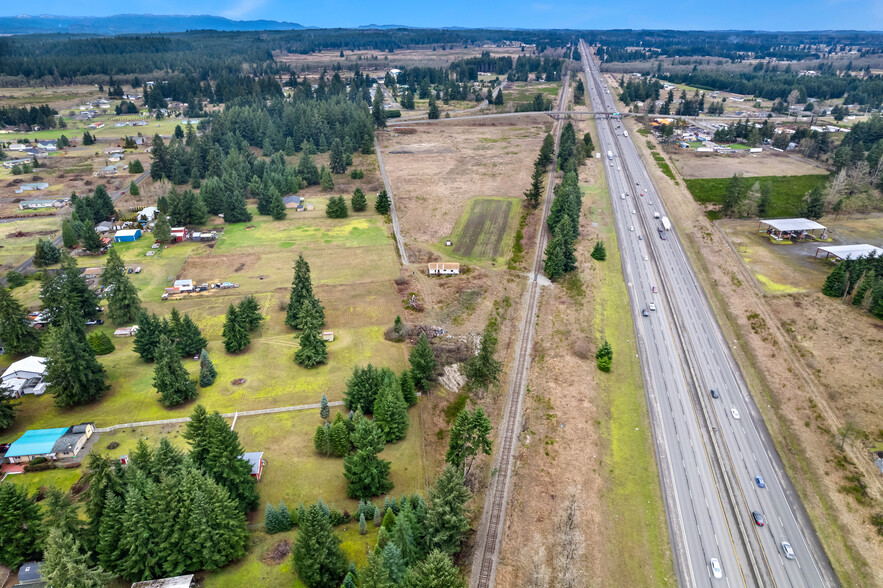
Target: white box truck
{"type": "Point", "coordinates": [666, 223]}
{"type": "Point", "coordinates": [655, 215]}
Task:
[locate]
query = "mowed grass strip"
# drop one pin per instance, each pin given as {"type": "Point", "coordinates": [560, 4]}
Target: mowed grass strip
{"type": "Point", "coordinates": [787, 193]}
{"type": "Point", "coordinates": [483, 228]}
{"type": "Point", "coordinates": [632, 492]}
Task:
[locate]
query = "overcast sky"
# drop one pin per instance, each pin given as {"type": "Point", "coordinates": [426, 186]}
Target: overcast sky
{"type": "Point", "coordinates": [589, 14]}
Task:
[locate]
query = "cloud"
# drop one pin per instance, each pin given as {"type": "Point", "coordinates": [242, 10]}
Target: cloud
{"type": "Point", "coordinates": [243, 8]}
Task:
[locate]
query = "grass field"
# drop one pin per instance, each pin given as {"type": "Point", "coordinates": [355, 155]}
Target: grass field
{"type": "Point", "coordinates": [15, 250]}
{"type": "Point", "coordinates": [633, 493]}
{"type": "Point", "coordinates": [787, 194]}
{"type": "Point", "coordinates": [32, 481]}
{"type": "Point", "coordinates": [485, 229]}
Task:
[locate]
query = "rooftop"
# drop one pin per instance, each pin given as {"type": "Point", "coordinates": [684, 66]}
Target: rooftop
{"type": "Point", "coordinates": [36, 442]}
{"type": "Point", "coordinates": [792, 224]}
{"type": "Point", "coordinates": [254, 458]}
{"type": "Point", "coordinates": [33, 364]}
{"type": "Point", "coordinates": [852, 251]}
{"type": "Point", "coordinates": [176, 582]}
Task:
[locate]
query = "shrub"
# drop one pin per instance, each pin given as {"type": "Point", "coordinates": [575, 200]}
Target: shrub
{"type": "Point", "coordinates": [15, 279]}
{"type": "Point", "coordinates": [100, 343]}
{"type": "Point", "coordinates": [39, 467]}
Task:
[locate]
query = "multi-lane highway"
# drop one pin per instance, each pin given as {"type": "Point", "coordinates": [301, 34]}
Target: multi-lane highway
{"type": "Point", "coordinates": [711, 447]}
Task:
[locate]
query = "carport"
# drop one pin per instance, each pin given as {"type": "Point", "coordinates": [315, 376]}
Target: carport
{"type": "Point", "coordinates": [849, 251]}
{"type": "Point", "coordinates": [791, 229]}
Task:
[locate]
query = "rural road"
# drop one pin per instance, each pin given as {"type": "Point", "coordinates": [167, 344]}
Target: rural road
{"type": "Point", "coordinates": [489, 536]}
{"type": "Point", "coordinates": [709, 450]}
{"type": "Point", "coordinates": [27, 264]}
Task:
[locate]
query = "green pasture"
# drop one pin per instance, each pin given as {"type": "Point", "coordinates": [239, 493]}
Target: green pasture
{"type": "Point", "coordinates": [787, 193]}
{"type": "Point", "coordinates": [485, 229]}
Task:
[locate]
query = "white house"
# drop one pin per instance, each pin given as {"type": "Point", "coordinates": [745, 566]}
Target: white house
{"type": "Point", "coordinates": [148, 214]}
{"type": "Point", "coordinates": [25, 376]}
{"type": "Point", "coordinates": [443, 269]}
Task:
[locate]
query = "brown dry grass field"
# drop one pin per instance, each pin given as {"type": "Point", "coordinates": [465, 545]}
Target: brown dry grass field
{"type": "Point", "coordinates": [768, 163]}
{"type": "Point", "coordinates": [436, 170]}
{"type": "Point", "coordinates": [374, 60]}
{"type": "Point", "coordinates": [812, 364]}
{"type": "Point", "coordinates": [59, 98]}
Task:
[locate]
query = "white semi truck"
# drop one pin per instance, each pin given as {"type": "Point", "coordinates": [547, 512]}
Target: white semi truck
{"type": "Point", "coordinates": [666, 223]}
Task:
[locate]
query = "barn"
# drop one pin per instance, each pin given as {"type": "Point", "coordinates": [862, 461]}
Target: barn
{"type": "Point", "coordinates": [128, 235]}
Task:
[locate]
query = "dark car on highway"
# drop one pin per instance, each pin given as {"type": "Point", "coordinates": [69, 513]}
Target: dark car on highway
{"type": "Point", "coordinates": [758, 519]}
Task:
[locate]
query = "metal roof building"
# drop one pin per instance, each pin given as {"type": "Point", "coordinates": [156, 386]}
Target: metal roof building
{"type": "Point", "coordinates": [36, 442]}
{"type": "Point", "coordinates": [791, 228]}
{"type": "Point", "coordinates": [850, 251]}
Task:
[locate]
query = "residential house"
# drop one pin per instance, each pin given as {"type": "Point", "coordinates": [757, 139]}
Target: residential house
{"type": "Point", "coordinates": [47, 145]}
{"type": "Point", "coordinates": [17, 147]}
{"type": "Point", "coordinates": [52, 444]}
{"type": "Point", "coordinates": [29, 575]}
{"type": "Point", "coordinates": [114, 150]}
{"type": "Point", "coordinates": [257, 461]}
{"type": "Point", "coordinates": [104, 227]}
{"type": "Point", "coordinates": [31, 187]}
{"type": "Point", "coordinates": [14, 162]}
{"type": "Point", "coordinates": [148, 214]}
{"type": "Point", "coordinates": [292, 201]}
{"type": "Point", "coordinates": [444, 269]}
{"type": "Point", "coordinates": [24, 376]}
{"type": "Point", "coordinates": [43, 203]}
{"type": "Point", "coordinates": [108, 170]}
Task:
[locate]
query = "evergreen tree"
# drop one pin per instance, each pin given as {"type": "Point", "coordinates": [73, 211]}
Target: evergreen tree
{"type": "Point", "coordinates": [483, 371]}
{"type": "Point", "coordinates": [359, 202]}
{"type": "Point", "coordinates": [835, 283]}
{"type": "Point", "coordinates": [7, 412]}
{"type": "Point", "coordinates": [546, 151]}
{"type": "Point", "coordinates": [15, 279]}
{"type": "Point", "coordinates": [554, 262]}
{"type": "Point", "coordinates": [367, 475]}
{"type": "Point", "coordinates": [470, 436]}
{"type": "Point", "coordinates": [604, 357]}
{"type": "Point", "coordinates": [66, 564]}
{"type": "Point", "coordinates": [362, 387]}
{"type": "Point", "coordinates": [534, 193]}
{"type": "Point", "coordinates": [377, 519]}
{"type": "Point", "coordinates": [277, 207]}
{"type": "Point", "coordinates": [236, 337]}
{"type": "Point", "coordinates": [207, 373]}
{"type": "Point", "coordinates": [326, 182]}
{"type": "Point", "coordinates": [422, 361]}
{"type": "Point", "coordinates": [76, 376]}
{"type": "Point", "coordinates": [433, 108]}
{"type": "Point", "coordinates": [249, 312]}
{"type": "Point", "coordinates": [765, 200]}
{"type": "Point", "coordinates": [312, 351]}
{"type": "Point", "coordinates": [134, 190]}
{"type": "Point", "coordinates": [170, 379]}
{"type": "Point", "coordinates": [378, 112]}
{"type": "Point", "coordinates": [337, 160]}
{"type": "Point", "coordinates": [446, 517]}
{"type": "Point", "coordinates": [235, 210]}
{"type": "Point", "coordinates": [190, 341]}
{"type": "Point", "coordinates": [599, 252]}
{"type": "Point", "coordinates": [813, 205]}
{"type": "Point", "coordinates": [317, 557]}
{"type": "Point", "coordinates": [307, 169]}
{"type": "Point", "coordinates": [409, 393]}
{"type": "Point", "coordinates": [162, 231]}
{"type": "Point", "coordinates": [196, 433]}
{"type": "Point", "coordinates": [136, 167]}
{"type": "Point", "coordinates": [381, 204]}
{"type": "Point", "coordinates": [16, 332]}
{"type": "Point", "coordinates": [324, 409]}
{"type": "Point", "coordinates": [336, 208]}
{"type": "Point", "coordinates": [394, 564]}
{"type": "Point", "coordinates": [436, 571]}
{"type": "Point", "coordinates": [150, 328]}
{"type": "Point", "coordinates": [46, 253]}
{"type": "Point", "coordinates": [124, 304]}
{"type": "Point", "coordinates": [390, 410]}
{"type": "Point", "coordinates": [113, 268]}
{"type": "Point", "coordinates": [100, 343]}
{"type": "Point", "coordinates": [91, 240]}
{"type": "Point", "coordinates": [223, 460]}
{"type": "Point", "coordinates": [110, 532]}
{"type": "Point", "coordinates": [363, 525]}
{"type": "Point", "coordinates": [20, 526]}
{"type": "Point", "coordinates": [339, 437]}
{"type": "Point", "coordinates": [301, 291]}
{"type": "Point", "coordinates": [101, 481]}
{"type": "Point", "coordinates": [322, 440]}
{"type": "Point", "coordinates": [271, 520]}
{"type": "Point", "coordinates": [68, 235]}
{"type": "Point", "coordinates": [102, 205]}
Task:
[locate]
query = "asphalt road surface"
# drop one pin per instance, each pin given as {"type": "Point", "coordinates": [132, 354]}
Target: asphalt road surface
{"type": "Point", "coordinates": [708, 454]}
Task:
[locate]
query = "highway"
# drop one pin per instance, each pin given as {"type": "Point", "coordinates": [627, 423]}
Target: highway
{"type": "Point", "coordinates": [709, 450]}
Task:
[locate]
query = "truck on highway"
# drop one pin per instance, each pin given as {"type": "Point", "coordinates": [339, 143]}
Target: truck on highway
{"type": "Point", "coordinates": [610, 155]}
{"type": "Point", "coordinates": [666, 223]}
{"type": "Point", "coordinates": [655, 215]}
{"type": "Point", "coordinates": [625, 133]}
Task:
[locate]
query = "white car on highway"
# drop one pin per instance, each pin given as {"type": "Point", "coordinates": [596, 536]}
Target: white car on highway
{"type": "Point", "coordinates": [716, 569]}
{"type": "Point", "coordinates": [631, 228]}
{"type": "Point", "coordinates": [652, 306]}
{"type": "Point", "coordinates": [735, 413]}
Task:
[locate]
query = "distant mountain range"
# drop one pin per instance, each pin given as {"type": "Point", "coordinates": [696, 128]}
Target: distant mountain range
{"type": "Point", "coordinates": [122, 24]}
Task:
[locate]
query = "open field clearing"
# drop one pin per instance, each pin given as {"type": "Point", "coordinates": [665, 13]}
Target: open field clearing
{"type": "Point", "coordinates": [575, 414]}
{"type": "Point", "coordinates": [786, 269]}
{"type": "Point", "coordinates": [437, 170]}
{"type": "Point", "coordinates": [769, 163]}
{"type": "Point", "coordinates": [373, 60]}
{"type": "Point", "coordinates": [18, 239]}
{"type": "Point", "coordinates": [812, 365]}
{"type": "Point", "coordinates": [787, 194]}
{"type": "Point", "coordinates": [59, 98]}
{"type": "Point", "coordinates": [486, 228]}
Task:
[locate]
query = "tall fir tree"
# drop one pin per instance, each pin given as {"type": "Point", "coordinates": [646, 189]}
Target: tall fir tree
{"type": "Point", "coordinates": [316, 554]}
{"type": "Point", "coordinates": [7, 412]}
{"type": "Point", "coordinates": [66, 564]}
{"type": "Point", "coordinates": [337, 160]}
{"type": "Point", "coordinates": [162, 230]}
{"type": "Point", "coordinates": [447, 520]}
{"type": "Point", "coordinates": [535, 192]}
{"type": "Point", "coordinates": [409, 392]}
{"type": "Point", "coordinates": [482, 370]}
{"type": "Point", "coordinates": [381, 203]}
{"type": "Point", "coordinates": [69, 236]}
{"type": "Point", "coordinates": [301, 291]}
{"type": "Point", "coordinates": [324, 409]}
{"type": "Point", "coordinates": [207, 372]}
{"type": "Point", "coordinates": [390, 410]}
{"type": "Point", "coordinates": [190, 341]}
{"type": "Point", "coordinates": [436, 571]}
{"type": "Point", "coordinates": [76, 376]}
{"type": "Point", "coordinates": [16, 332]}
{"type": "Point", "coordinates": [170, 379]}
{"type": "Point", "coordinates": [20, 526]}
{"type": "Point", "coordinates": [313, 350]}
{"type": "Point", "coordinates": [359, 202]}
{"type": "Point", "coordinates": [470, 436]}
{"type": "Point", "coordinates": [599, 251]}
{"type": "Point", "coordinates": [236, 337]}
{"type": "Point", "coordinates": [150, 328]}
{"type": "Point", "coordinates": [124, 304]}
{"type": "Point", "coordinates": [423, 363]}
{"type": "Point", "coordinates": [249, 312]}
{"type": "Point", "coordinates": [367, 475]}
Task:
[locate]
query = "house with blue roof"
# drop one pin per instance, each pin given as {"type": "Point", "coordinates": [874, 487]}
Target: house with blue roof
{"type": "Point", "coordinates": [59, 443]}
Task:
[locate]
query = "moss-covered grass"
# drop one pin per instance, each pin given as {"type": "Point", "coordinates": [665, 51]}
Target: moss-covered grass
{"type": "Point", "coordinates": [787, 191]}
{"type": "Point", "coordinates": [632, 492]}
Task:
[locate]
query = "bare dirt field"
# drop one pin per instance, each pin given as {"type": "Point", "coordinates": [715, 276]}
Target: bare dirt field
{"type": "Point", "coordinates": [768, 163]}
{"type": "Point", "coordinates": [813, 365]}
{"type": "Point", "coordinates": [435, 171]}
{"type": "Point", "coordinates": [59, 98]}
{"type": "Point", "coordinates": [371, 60]}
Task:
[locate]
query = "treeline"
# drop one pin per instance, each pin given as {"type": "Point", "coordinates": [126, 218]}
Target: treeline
{"type": "Point", "coordinates": [549, 69]}
{"type": "Point", "coordinates": [640, 90]}
{"type": "Point", "coordinates": [41, 116]}
{"type": "Point", "coordinates": [468, 69]}
{"type": "Point", "coordinates": [773, 85]}
{"type": "Point", "coordinates": [620, 45]}
{"type": "Point", "coordinates": [858, 282]}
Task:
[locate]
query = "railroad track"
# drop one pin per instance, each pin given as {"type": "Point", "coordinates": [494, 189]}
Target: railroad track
{"type": "Point", "coordinates": [490, 532]}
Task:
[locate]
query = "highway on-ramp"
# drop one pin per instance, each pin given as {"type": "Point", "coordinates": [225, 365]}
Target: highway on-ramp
{"type": "Point", "coordinates": [710, 449]}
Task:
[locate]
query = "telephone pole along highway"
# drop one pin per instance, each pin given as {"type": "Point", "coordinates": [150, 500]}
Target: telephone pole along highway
{"type": "Point", "coordinates": [490, 531]}
{"type": "Point", "coordinates": [712, 445]}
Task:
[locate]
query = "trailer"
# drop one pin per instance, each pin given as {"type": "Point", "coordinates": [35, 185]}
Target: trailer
{"type": "Point", "coordinates": [666, 223]}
